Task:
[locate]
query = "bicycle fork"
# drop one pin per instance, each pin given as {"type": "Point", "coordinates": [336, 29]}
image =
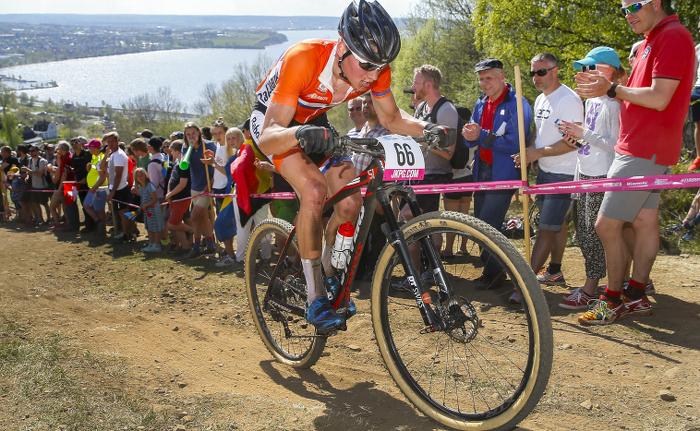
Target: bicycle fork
{"type": "Point", "coordinates": [397, 240]}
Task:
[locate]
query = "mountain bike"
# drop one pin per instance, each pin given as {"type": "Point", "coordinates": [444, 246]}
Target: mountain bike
{"type": "Point", "coordinates": [465, 357]}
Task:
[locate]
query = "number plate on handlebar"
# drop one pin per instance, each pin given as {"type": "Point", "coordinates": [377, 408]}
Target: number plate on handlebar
{"type": "Point", "coordinates": [403, 158]}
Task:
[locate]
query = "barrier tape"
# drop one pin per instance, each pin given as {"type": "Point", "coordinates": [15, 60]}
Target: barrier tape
{"type": "Point", "coordinates": [636, 183]}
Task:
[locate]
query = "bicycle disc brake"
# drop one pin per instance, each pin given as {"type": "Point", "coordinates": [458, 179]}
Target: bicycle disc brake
{"type": "Point", "coordinates": [461, 319]}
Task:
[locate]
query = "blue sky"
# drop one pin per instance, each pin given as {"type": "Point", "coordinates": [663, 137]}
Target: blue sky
{"type": "Point", "coordinates": [396, 8]}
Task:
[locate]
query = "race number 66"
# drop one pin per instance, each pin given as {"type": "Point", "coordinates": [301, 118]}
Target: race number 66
{"type": "Point", "coordinates": [404, 154]}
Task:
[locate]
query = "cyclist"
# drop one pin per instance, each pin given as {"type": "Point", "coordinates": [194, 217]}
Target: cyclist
{"type": "Point", "coordinates": [290, 127]}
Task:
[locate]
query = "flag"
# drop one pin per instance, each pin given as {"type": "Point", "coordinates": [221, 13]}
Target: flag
{"type": "Point", "coordinates": [225, 224]}
{"type": "Point", "coordinates": [248, 181]}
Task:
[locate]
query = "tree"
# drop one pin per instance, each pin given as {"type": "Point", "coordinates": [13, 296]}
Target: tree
{"type": "Point", "coordinates": [8, 98]}
{"type": "Point", "coordinates": [160, 111]}
{"type": "Point", "coordinates": [516, 30]}
{"type": "Point", "coordinates": [9, 130]}
{"type": "Point", "coordinates": [235, 101]}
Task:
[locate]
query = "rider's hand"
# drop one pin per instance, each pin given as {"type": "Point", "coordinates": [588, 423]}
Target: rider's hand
{"type": "Point", "coordinates": [447, 136]}
{"type": "Point", "coordinates": [314, 139]}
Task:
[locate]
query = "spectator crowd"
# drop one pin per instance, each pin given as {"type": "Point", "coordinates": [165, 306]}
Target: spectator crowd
{"type": "Point", "coordinates": [630, 124]}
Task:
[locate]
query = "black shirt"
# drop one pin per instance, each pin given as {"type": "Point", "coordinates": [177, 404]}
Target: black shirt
{"type": "Point", "coordinates": [80, 164]}
{"type": "Point", "coordinates": [11, 161]}
{"type": "Point", "coordinates": [175, 177]}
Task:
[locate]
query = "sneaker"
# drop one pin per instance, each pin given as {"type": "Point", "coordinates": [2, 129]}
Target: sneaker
{"type": "Point", "coordinates": [59, 227]}
{"type": "Point", "coordinates": [322, 315]}
{"type": "Point", "coordinates": [227, 261]}
{"type": "Point", "coordinates": [120, 235]}
{"type": "Point", "coordinates": [174, 249]}
{"type": "Point", "coordinates": [62, 219]}
{"type": "Point", "coordinates": [193, 253]}
{"type": "Point", "coordinates": [690, 235]}
{"type": "Point", "coordinates": [515, 298]}
{"type": "Point", "coordinates": [484, 282]}
{"type": "Point", "coordinates": [676, 228]}
{"type": "Point", "coordinates": [209, 250]}
{"type": "Point", "coordinates": [695, 165]}
{"type": "Point", "coordinates": [165, 242]}
{"type": "Point", "coordinates": [402, 286]}
{"type": "Point", "coordinates": [556, 279]}
{"type": "Point", "coordinates": [640, 307]}
{"type": "Point", "coordinates": [603, 312]}
{"type": "Point", "coordinates": [148, 248]}
{"type": "Point", "coordinates": [576, 300]}
{"type": "Point", "coordinates": [352, 308]}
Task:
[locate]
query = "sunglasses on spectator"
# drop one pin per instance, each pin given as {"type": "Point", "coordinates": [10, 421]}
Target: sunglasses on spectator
{"type": "Point", "coordinates": [366, 65]}
{"type": "Point", "coordinates": [540, 72]}
{"type": "Point", "coordinates": [357, 108]}
{"type": "Point", "coordinates": [633, 8]}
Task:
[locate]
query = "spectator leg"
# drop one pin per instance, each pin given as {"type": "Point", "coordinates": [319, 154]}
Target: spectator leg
{"type": "Point", "coordinates": [611, 235]}
{"type": "Point", "coordinates": [646, 245]}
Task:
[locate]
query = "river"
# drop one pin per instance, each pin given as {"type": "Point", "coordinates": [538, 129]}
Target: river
{"type": "Point", "coordinates": [114, 79]}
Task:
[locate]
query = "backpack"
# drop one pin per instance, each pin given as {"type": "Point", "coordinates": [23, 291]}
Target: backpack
{"type": "Point", "coordinates": [460, 157]}
{"type": "Point", "coordinates": [166, 171]}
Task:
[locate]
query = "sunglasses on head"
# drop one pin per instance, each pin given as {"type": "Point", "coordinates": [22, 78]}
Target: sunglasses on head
{"type": "Point", "coordinates": [633, 8]}
{"type": "Point", "coordinates": [366, 65]}
{"type": "Point", "coordinates": [540, 72]}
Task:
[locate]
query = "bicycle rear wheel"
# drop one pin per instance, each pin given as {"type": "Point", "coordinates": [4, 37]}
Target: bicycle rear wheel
{"type": "Point", "coordinates": [490, 372]}
{"type": "Point", "coordinates": [286, 334]}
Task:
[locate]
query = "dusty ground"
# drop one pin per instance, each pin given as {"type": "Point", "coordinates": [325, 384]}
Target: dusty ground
{"type": "Point", "coordinates": [96, 336]}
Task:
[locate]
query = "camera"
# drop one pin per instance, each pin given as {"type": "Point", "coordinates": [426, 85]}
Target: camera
{"type": "Point", "coordinates": [588, 68]}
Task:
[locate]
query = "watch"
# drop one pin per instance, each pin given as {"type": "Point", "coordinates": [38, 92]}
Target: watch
{"type": "Point", "coordinates": [611, 93]}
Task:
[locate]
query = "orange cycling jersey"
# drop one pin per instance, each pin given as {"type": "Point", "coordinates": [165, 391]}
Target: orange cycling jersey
{"type": "Point", "coordinates": [301, 78]}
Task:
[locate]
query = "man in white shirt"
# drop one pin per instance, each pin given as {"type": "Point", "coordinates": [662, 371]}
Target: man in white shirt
{"type": "Point", "coordinates": [118, 169]}
{"type": "Point", "coordinates": [557, 163]}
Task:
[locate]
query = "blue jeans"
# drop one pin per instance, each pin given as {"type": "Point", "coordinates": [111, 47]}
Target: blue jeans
{"type": "Point", "coordinates": [553, 208]}
{"type": "Point", "coordinates": [491, 207]}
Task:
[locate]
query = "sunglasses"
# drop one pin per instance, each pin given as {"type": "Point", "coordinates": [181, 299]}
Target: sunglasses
{"type": "Point", "coordinates": [633, 8]}
{"type": "Point", "coordinates": [366, 65]}
{"type": "Point", "coordinates": [540, 72]}
{"type": "Point", "coordinates": [357, 108]}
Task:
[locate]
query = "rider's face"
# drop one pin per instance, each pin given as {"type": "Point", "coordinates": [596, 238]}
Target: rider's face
{"type": "Point", "coordinates": [359, 78]}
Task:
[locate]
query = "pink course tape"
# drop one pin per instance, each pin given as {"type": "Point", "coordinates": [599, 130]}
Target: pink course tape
{"type": "Point", "coordinates": [585, 186]}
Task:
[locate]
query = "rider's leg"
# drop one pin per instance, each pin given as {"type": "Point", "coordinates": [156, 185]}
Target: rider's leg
{"type": "Point", "coordinates": [338, 176]}
{"type": "Point", "coordinates": [311, 188]}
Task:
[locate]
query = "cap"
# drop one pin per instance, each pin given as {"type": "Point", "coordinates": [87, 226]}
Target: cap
{"type": "Point", "coordinates": [487, 64]}
{"type": "Point", "coordinates": [246, 125]}
{"type": "Point", "coordinates": [179, 135]}
{"type": "Point", "coordinates": [94, 143]}
{"type": "Point", "coordinates": [602, 54]}
{"type": "Point", "coordinates": [83, 140]}
{"type": "Point", "coordinates": [14, 169]}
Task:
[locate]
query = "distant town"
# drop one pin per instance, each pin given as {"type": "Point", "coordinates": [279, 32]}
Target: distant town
{"type": "Point", "coordinates": [38, 43]}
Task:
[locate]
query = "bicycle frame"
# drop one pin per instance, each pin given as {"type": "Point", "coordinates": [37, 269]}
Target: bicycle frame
{"type": "Point", "coordinates": [380, 192]}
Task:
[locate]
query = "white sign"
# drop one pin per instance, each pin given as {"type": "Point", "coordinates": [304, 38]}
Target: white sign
{"type": "Point", "coordinates": [403, 158]}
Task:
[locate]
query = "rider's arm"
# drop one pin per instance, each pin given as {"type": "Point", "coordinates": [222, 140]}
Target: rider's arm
{"type": "Point", "coordinates": [276, 137]}
{"type": "Point", "coordinates": [400, 122]}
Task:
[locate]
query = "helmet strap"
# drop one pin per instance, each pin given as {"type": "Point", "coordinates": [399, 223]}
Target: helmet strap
{"type": "Point", "coordinates": [340, 65]}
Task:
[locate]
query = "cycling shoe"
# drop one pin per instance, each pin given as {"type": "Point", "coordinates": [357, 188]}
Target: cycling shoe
{"type": "Point", "coordinates": [322, 315]}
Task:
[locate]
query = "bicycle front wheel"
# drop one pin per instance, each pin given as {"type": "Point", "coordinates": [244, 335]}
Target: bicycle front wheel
{"type": "Point", "coordinates": [490, 371]}
{"type": "Point", "coordinates": [277, 303]}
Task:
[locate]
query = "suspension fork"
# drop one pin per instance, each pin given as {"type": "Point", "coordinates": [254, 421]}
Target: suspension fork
{"type": "Point", "coordinates": [397, 240]}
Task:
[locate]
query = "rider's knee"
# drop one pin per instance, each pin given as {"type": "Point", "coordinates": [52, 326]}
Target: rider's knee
{"type": "Point", "coordinates": [314, 194]}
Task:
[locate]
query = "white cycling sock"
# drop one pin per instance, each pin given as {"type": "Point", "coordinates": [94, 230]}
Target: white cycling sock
{"type": "Point", "coordinates": [314, 281]}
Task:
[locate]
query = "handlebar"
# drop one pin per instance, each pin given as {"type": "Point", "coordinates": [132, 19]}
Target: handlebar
{"type": "Point", "coordinates": [375, 150]}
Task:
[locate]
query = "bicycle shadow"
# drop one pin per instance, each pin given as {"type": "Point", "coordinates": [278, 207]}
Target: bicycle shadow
{"type": "Point", "coordinates": [361, 407]}
{"type": "Point", "coordinates": [667, 326]}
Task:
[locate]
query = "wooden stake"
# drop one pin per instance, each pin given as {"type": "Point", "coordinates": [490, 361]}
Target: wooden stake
{"type": "Point", "coordinates": [523, 165]}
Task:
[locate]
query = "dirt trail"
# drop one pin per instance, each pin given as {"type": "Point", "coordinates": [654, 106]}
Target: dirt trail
{"type": "Point", "coordinates": [184, 332]}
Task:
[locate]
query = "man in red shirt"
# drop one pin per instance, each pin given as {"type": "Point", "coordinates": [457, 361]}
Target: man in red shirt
{"type": "Point", "coordinates": [653, 109]}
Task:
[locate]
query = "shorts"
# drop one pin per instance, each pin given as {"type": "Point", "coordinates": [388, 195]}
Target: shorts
{"type": "Point", "coordinates": [459, 195]}
{"type": "Point", "coordinates": [177, 212]}
{"type": "Point", "coordinates": [199, 201]}
{"type": "Point", "coordinates": [431, 202]}
{"type": "Point", "coordinates": [553, 208]}
{"type": "Point", "coordinates": [39, 197]}
{"type": "Point", "coordinates": [97, 200]}
{"type": "Point", "coordinates": [124, 197]}
{"type": "Point", "coordinates": [626, 205]}
{"type": "Point", "coordinates": [286, 209]}
{"type": "Point", "coordinates": [695, 105]}
{"type": "Point", "coordinates": [58, 195]}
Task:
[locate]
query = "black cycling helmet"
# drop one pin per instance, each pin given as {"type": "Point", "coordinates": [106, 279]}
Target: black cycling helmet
{"type": "Point", "coordinates": [366, 27]}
